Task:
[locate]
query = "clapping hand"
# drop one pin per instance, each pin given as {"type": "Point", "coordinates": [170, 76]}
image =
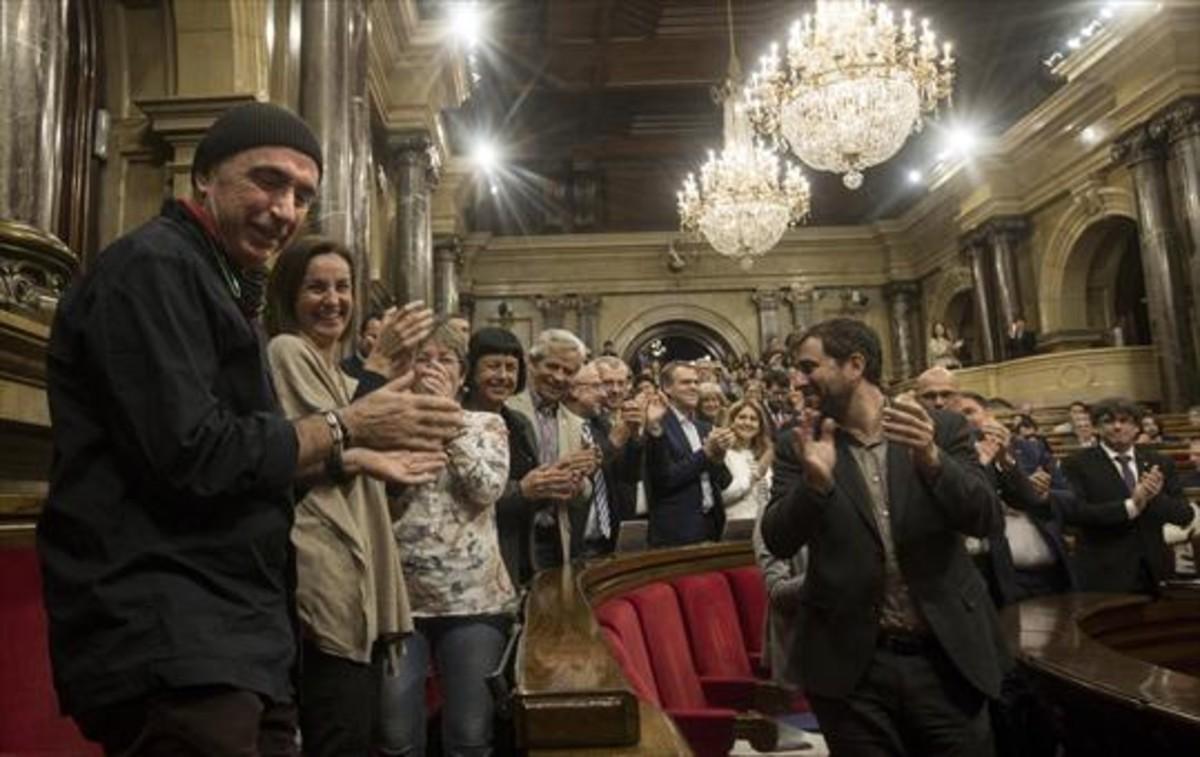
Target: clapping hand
{"type": "Point", "coordinates": [1148, 487]}
{"type": "Point", "coordinates": [554, 481]}
{"type": "Point", "coordinates": [392, 417]}
{"type": "Point", "coordinates": [718, 442]}
{"type": "Point", "coordinates": [583, 461]}
{"type": "Point", "coordinates": [403, 329]}
{"type": "Point", "coordinates": [816, 450]}
{"type": "Point", "coordinates": [1040, 481]}
{"type": "Point", "coordinates": [397, 466]}
{"type": "Point", "coordinates": [656, 410]}
{"type": "Point", "coordinates": [906, 423]}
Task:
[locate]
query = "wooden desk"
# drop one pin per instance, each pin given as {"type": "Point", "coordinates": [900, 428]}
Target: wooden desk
{"type": "Point", "coordinates": [1120, 671]}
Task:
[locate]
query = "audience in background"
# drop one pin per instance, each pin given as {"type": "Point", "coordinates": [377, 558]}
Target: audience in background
{"type": "Point", "coordinates": [713, 404]}
{"type": "Point", "coordinates": [495, 371]}
{"type": "Point", "coordinates": [749, 462]}
{"type": "Point", "coordinates": [461, 595]}
{"type": "Point", "coordinates": [553, 360]}
{"type": "Point", "coordinates": [1123, 496]}
{"type": "Point", "coordinates": [685, 464]}
{"type": "Point", "coordinates": [942, 350]}
{"type": "Point", "coordinates": [350, 593]}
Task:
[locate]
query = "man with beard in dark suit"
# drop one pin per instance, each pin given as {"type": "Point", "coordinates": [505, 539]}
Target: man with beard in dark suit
{"type": "Point", "coordinates": [900, 645]}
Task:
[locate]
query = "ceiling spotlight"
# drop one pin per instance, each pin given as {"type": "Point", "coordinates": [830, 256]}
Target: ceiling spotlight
{"type": "Point", "coordinates": [466, 22]}
{"type": "Point", "coordinates": [1074, 43]}
{"type": "Point", "coordinates": [915, 176]}
{"type": "Point", "coordinates": [495, 190]}
{"type": "Point", "coordinates": [486, 155]}
{"type": "Point", "coordinates": [962, 140]}
{"type": "Point", "coordinates": [1090, 135]}
{"type": "Point", "coordinates": [1107, 11]}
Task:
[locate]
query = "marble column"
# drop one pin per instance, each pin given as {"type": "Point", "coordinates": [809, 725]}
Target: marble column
{"type": "Point", "coordinates": [333, 100]}
{"type": "Point", "coordinates": [447, 262]}
{"type": "Point", "coordinates": [1000, 237]}
{"type": "Point", "coordinates": [408, 270]}
{"type": "Point", "coordinates": [902, 298]}
{"type": "Point", "coordinates": [1182, 125]}
{"type": "Point", "coordinates": [1143, 152]}
{"type": "Point", "coordinates": [767, 302]}
{"type": "Point", "coordinates": [799, 297]}
{"type": "Point", "coordinates": [33, 62]}
{"type": "Point", "coordinates": [589, 311]}
{"type": "Point", "coordinates": [985, 349]}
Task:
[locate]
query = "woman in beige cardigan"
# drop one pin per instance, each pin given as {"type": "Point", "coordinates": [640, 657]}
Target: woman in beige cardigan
{"type": "Point", "coordinates": [350, 593]}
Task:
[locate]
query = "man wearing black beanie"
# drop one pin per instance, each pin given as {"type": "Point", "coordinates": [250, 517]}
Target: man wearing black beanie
{"type": "Point", "coordinates": [164, 544]}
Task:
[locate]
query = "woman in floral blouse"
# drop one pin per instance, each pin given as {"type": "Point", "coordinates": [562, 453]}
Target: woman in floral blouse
{"type": "Point", "coordinates": [460, 593]}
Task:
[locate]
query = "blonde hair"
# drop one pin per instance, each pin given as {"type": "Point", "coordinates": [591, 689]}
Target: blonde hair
{"type": "Point", "coordinates": [710, 389]}
{"type": "Point", "coordinates": [761, 445]}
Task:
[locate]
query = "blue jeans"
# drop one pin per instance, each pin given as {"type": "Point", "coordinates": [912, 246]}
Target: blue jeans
{"type": "Point", "coordinates": [466, 651]}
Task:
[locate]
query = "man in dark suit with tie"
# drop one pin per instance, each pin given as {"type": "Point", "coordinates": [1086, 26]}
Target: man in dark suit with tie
{"type": "Point", "coordinates": [594, 527]}
{"type": "Point", "coordinates": [1123, 496]}
{"type": "Point", "coordinates": [685, 464]}
{"type": "Point", "coordinates": [900, 644]}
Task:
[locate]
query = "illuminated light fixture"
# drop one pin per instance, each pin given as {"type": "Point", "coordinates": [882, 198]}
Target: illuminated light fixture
{"type": "Point", "coordinates": [486, 155]}
{"type": "Point", "coordinates": [915, 176]}
{"type": "Point", "coordinates": [1090, 135]}
{"type": "Point", "coordinates": [746, 198]}
{"type": "Point", "coordinates": [961, 141]}
{"type": "Point", "coordinates": [467, 22]}
{"type": "Point", "coordinates": [851, 86]}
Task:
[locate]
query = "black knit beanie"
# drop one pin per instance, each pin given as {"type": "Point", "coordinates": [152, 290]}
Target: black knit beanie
{"type": "Point", "coordinates": [254, 125]}
{"type": "Point", "coordinates": [493, 341]}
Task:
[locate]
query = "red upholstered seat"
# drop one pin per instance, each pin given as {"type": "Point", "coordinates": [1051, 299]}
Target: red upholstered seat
{"type": "Point", "coordinates": [29, 720]}
{"type": "Point", "coordinates": [621, 626]}
{"type": "Point", "coordinates": [708, 730]}
{"type": "Point", "coordinates": [713, 625]}
{"type": "Point", "coordinates": [750, 596]}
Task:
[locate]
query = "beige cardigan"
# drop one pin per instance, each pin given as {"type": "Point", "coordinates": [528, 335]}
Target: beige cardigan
{"type": "Point", "coordinates": [350, 589]}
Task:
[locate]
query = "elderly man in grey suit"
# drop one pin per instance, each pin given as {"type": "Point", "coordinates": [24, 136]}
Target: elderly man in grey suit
{"type": "Point", "coordinates": [900, 647]}
{"type": "Point", "coordinates": [554, 358]}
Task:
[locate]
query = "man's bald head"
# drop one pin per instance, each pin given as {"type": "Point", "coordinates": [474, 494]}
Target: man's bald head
{"type": "Point", "coordinates": [938, 388]}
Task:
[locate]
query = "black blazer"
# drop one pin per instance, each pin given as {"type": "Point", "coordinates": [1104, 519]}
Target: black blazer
{"type": "Point", "coordinates": [673, 495]}
{"type": "Point", "coordinates": [621, 469]}
{"type": "Point", "coordinates": [843, 588]}
{"type": "Point", "coordinates": [1112, 549]}
{"type": "Point", "coordinates": [514, 513]}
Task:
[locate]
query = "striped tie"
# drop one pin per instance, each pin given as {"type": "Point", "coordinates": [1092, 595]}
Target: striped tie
{"type": "Point", "coordinates": [599, 489]}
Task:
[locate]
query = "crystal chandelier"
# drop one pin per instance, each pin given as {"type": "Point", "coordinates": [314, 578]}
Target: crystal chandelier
{"type": "Point", "coordinates": [851, 87]}
{"type": "Point", "coordinates": [748, 196]}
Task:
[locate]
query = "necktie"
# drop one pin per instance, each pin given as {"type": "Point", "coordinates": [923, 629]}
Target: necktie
{"type": "Point", "coordinates": [1127, 472]}
{"type": "Point", "coordinates": [599, 489]}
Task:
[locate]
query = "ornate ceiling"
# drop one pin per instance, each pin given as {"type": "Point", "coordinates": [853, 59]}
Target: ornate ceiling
{"type": "Point", "coordinates": [602, 106]}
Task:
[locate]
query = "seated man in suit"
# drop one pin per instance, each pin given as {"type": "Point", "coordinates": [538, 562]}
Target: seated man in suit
{"type": "Point", "coordinates": [685, 468]}
{"type": "Point", "coordinates": [899, 644]}
{"type": "Point", "coordinates": [1123, 496]}
{"type": "Point", "coordinates": [553, 360]}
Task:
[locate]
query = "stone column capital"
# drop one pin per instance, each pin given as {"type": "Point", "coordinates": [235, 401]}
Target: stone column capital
{"type": "Point", "coordinates": [449, 250]}
{"type": "Point", "coordinates": [1142, 143]}
{"type": "Point", "coordinates": [588, 304]}
{"type": "Point", "coordinates": [766, 298]}
{"type": "Point", "coordinates": [901, 291]}
{"type": "Point", "coordinates": [415, 149]}
{"type": "Point", "coordinates": [1180, 120]}
{"type": "Point", "coordinates": [998, 230]}
{"type": "Point", "coordinates": [798, 293]}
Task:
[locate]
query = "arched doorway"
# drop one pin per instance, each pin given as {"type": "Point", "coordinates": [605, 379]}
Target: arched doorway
{"type": "Point", "coordinates": [676, 340]}
{"type": "Point", "coordinates": [1115, 295]}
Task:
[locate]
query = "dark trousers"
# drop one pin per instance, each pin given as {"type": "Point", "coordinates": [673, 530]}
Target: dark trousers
{"type": "Point", "coordinates": [907, 704]}
{"type": "Point", "coordinates": [338, 703]}
{"type": "Point", "coordinates": [197, 721]}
